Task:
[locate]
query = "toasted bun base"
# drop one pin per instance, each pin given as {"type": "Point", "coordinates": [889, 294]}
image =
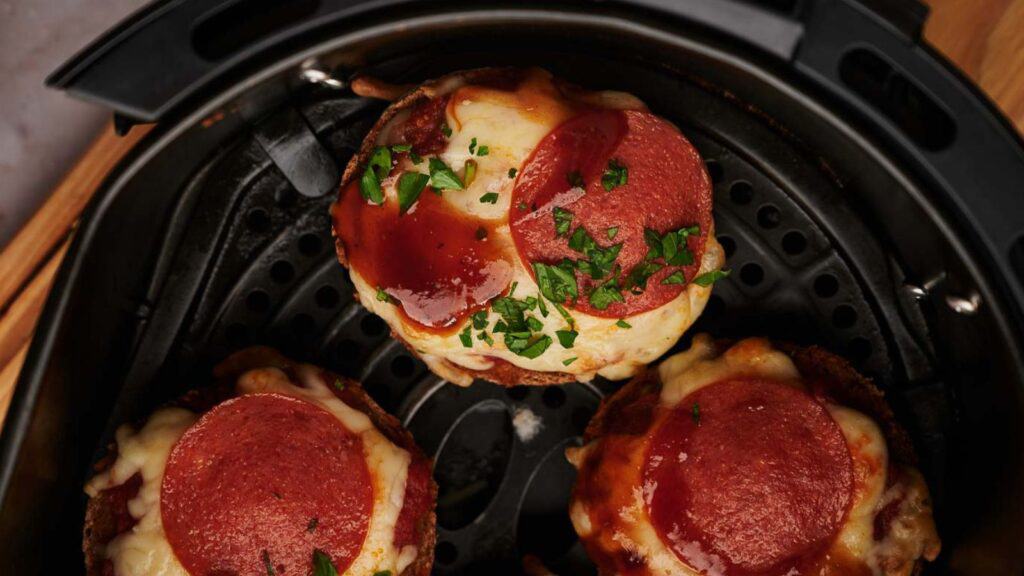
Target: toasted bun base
{"type": "Point", "coordinates": [107, 515]}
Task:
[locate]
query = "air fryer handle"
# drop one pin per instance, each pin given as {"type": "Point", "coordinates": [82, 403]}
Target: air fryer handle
{"type": "Point", "coordinates": [910, 96]}
{"type": "Point", "coordinates": [168, 51]}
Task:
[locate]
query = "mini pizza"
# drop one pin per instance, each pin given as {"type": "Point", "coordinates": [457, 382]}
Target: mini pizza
{"type": "Point", "coordinates": [510, 226]}
{"type": "Point", "coordinates": [750, 459]}
{"type": "Point", "coordinates": [283, 468]}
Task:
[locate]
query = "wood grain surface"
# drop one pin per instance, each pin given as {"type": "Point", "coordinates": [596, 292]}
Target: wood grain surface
{"type": "Point", "coordinates": [985, 38]}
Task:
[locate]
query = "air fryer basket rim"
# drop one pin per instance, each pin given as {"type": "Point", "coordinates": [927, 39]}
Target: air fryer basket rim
{"type": "Point", "coordinates": [164, 135]}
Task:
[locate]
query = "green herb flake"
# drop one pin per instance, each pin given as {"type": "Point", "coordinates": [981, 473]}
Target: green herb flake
{"type": "Point", "coordinates": [522, 206]}
{"type": "Point", "coordinates": [566, 337]}
{"type": "Point", "coordinates": [611, 232]}
{"type": "Point", "coordinates": [636, 280]}
{"type": "Point", "coordinates": [534, 324]}
{"type": "Point", "coordinates": [615, 175]}
{"type": "Point", "coordinates": [466, 336]}
{"type": "Point", "coordinates": [483, 150]}
{"type": "Point", "coordinates": [695, 413]}
{"type": "Point", "coordinates": [469, 172]}
{"type": "Point", "coordinates": [563, 220]}
{"type": "Point", "coordinates": [604, 295]}
{"type": "Point", "coordinates": [486, 338]}
{"type": "Point", "coordinates": [489, 198]}
{"type": "Point", "coordinates": [575, 179]}
{"type": "Point", "coordinates": [380, 162]}
{"type": "Point", "coordinates": [556, 283]}
{"type": "Point", "coordinates": [542, 307]}
{"type": "Point", "coordinates": [674, 278]}
{"type": "Point", "coordinates": [416, 158]}
{"type": "Point", "coordinates": [512, 173]}
{"type": "Point", "coordinates": [708, 278]}
{"type": "Point", "coordinates": [265, 556]}
{"type": "Point", "coordinates": [500, 326]}
{"type": "Point", "coordinates": [479, 319]}
{"type": "Point", "coordinates": [536, 348]}
{"type": "Point", "coordinates": [410, 185]}
{"type": "Point", "coordinates": [322, 565]}
{"type": "Point", "coordinates": [568, 361]}
{"type": "Point", "coordinates": [565, 315]}
{"type": "Point", "coordinates": [382, 295]}
{"type": "Point", "coordinates": [398, 148]}
{"type": "Point", "coordinates": [446, 130]}
{"type": "Point", "coordinates": [623, 324]}
{"type": "Point", "coordinates": [512, 288]}
{"type": "Point", "coordinates": [442, 176]}
{"type": "Point", "coordinates": [369, 188]}
{"type": "Point", "coordinates": [472, 145]}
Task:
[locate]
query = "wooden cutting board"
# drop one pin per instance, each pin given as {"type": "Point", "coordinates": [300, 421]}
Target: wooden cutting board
{"type": "Point", "coordinates": [983, 37]}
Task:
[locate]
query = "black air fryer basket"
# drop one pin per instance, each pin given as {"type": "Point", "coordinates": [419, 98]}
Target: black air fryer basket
{"type": "Point", "coordinates": [868, 198]}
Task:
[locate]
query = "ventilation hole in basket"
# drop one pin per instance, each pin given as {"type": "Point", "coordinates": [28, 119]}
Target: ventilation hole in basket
{"type": "Point", "coordinates": [826, 286]}
{"type": "Point", "coordinates": [310, 244]}
{"type": "Point", "coordinates": [237, 335]}
{"type": "Point", "coordinates": [282, 272]}
{"type": "Point", "coordinates": [728, 245]}
{"type": "Point", "coordinates": [580, 418]}
{"type": "Point", "coordinates": [445, 552]}
{"type": "Point", "coordinates": [714, 171]}
{"type": "Point", "coordinates": [768, 217]}
{"type": "Point", "coordinates": [257, 301]}
{"type": "Point", "coordinates": [402, 366]}
{"type": "Point", "coordinates": [794, 243]}
{"type": "Point", "coordinates": [518, 393]}
{"type": "Point", "coordinates": [372, 326]}
{"type": "Point", "coordinates": [751, 274]}
{"type": "Point", "coordinates": [258, 220]}
{"type": "Point", "coordinates": [553, 397]}
{"type": "Point", "coordinates": [285, 197]}
{"type": "Point", "coordinates": [741, 193]}
{"type": "Point", "coordinates": [859, 349]}
{"type": "Point", "coordinates": [303, 324]}
{"type": "Point", "coordinates": [327, 297]}
{"type": "Point", "coordinates": [844, 316]}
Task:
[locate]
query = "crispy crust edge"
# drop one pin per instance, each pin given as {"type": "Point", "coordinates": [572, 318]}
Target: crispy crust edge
{"type": "Point", "coordinates": [100, 520]}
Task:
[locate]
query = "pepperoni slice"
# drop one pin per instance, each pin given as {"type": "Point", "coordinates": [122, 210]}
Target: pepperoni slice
{"type": "Point", "coordinates": [757, 482]}
{"type": "Point", "coordinates": [244, 484]}
{"type": "Point", "coordinates": [667, 188]}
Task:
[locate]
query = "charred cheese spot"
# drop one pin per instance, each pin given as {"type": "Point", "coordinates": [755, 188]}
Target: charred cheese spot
{"type": "Point", "coordinates": [145, 551]}
{"type": "Point", "coordinates": [610, 508]}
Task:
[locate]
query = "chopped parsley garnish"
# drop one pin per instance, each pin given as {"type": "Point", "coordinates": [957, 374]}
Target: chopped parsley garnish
{"type": "Point", "coordinates": [410, 185]}
{"type": "Point", "coordinates": [671, 246]}
{"type": "Point", "coordinates": [322, 565]}
{"type": "Point", "coordinates": [369, 188]}
{"type": "Point", "coordinates": [557, 282]}
{"type": "Point", "coordinates": [479, 319]}
{"type": "Point", "coordinates": [267, 564]}
{"type": "Point", "coordinates": [623, 324]}
{"type": "Point", "coordinates": [469, 171]}
{"type": "Point", "coordinates": [636, 280]}
{"type": "Point", "coordinates": [542, 307]}
{"type": "Point", "coordinates": [416, 158]}
{"type": "Point", "coordinates": [522, 206]}
{"type": "Point", "coordinates": [566, 337]}
{"type": "Point", "coordinates": [397, 148]}
{"type": "Point", "coordinates": [442, 176]}
{"type": "Point", "coordinates": [311, 526]}
{"type": "Point", "coordinates": [486, 338]}
{"type": "Point", "coordinates": [568, 361]}
{"type": "Point", "coordinates": [483, 150]}
{"type": "Point", "coordinates": [563, 220]}
{"type": "Point", "coordinates": [521, 333]}
{"type": "Point", "coordinates": [611, 232]}
{"type": "Point", "coordinates": [500, 326]}
{"type": "Point", "coordinates": [565, 315]}
{"type": "Point", "coordinates": [602, 296]}
{"type": "Point", "coordinates": [536, 348]}
{"type": "Point", "coordinates": [599, 261]}
{"type": "Point", "coordinates": [708, 278]}
{"type": "Point", "coordinates": [382, 295]}
{"type": "Point", "coordinates": [575, 179]}
{"type": "Point", "coordinates": [534, 325]}
{"type": "Point", "coordinates": [696, 414]}
{"type": "Point", "coordinates": [466, 336]}
{"type": "Point", "coordinates": [512, 288]}
{"type": "Point", "coordinates": [512, 172]}
{"type": "Point", "coordinates": [380, 162]}
{"type": "Point", "coordinates": [472, 145]}
{"type": "Point", "coordinates": [446, 130]}
{"type": "Point", "coordinates": [481, 233]}
{"type": "Point", "coordinates": [489, 198]}
{"type": "Point", "coordinates": [674, 278]}
{"type": "Point", "coordinates": [615, 175]}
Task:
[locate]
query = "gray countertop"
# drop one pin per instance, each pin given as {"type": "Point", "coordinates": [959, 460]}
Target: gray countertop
{"type": "Point", "coordinates": [43, 132]}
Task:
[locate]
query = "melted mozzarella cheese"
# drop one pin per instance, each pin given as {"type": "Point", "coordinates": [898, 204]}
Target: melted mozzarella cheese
{"type": "Point", "coordinates": [145, 551]}
{"type": "Point", "coordinates": [702, 365]}
{"type": "Point", "coordinates": [511, 125]}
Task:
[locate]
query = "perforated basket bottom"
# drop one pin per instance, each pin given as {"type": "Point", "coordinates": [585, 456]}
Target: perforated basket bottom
{"type": "Point", "coordinates": [504, 484]}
